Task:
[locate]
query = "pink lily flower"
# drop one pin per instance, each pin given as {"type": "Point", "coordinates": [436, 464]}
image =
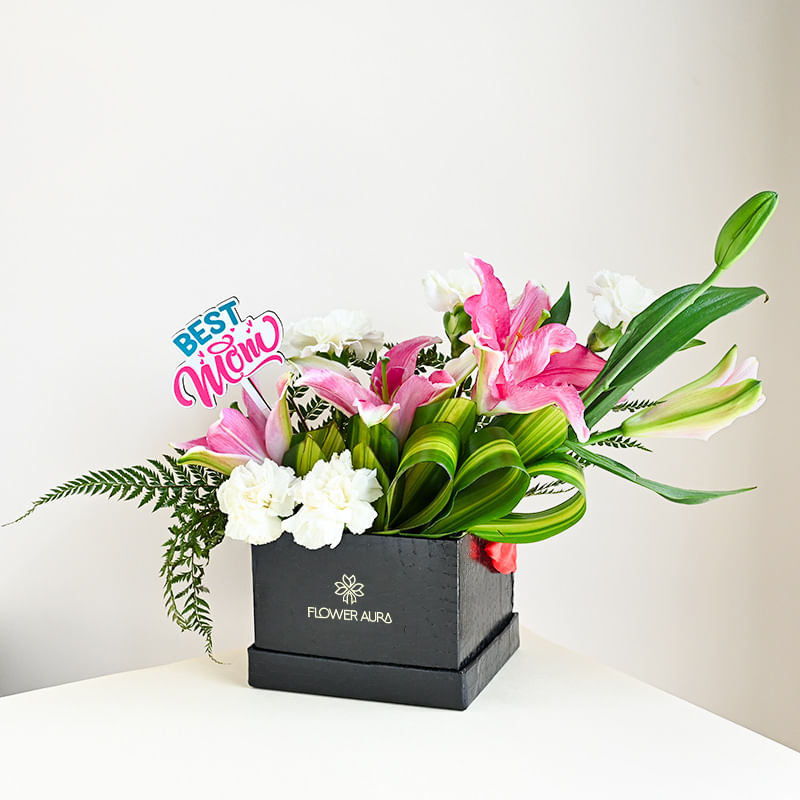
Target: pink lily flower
{"type": "Point", "coordinates": [394, 391]}
{"type": "Point", "coordinates": [236, 438]}
{"type": "Point", "coordinates": [523, 365]}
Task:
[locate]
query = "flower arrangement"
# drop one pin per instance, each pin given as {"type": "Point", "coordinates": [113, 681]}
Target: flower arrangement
{"type": "Point", "coordinates": [421, 439]}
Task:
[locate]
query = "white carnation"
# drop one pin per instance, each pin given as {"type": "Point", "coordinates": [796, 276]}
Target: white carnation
{"type": "Point", "coordinates": [332, 334]}
{"type": "Point", "coordinates": [334, 496]}
{"type": "Point", "coordinates": [255, 498]}
{"type": "Point", "coordinates": [445, 292]}
{"type": "Point", "coordinates": [618, 298]}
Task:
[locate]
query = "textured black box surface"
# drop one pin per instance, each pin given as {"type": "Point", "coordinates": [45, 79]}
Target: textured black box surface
{"type": "Point", "coordinates": [426, 603]}
{"type": "Point", "coordinates": [391, 683]}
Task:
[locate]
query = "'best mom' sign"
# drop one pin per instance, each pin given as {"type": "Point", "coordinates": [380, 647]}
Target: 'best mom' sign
{"type": "Point", "coordinates": [221, 349]}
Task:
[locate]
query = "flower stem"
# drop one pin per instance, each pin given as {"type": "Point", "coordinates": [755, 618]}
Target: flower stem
{"type": "Point", "coordinates": [603, 435]}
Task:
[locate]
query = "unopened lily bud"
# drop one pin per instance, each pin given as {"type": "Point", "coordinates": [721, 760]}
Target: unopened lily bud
{"type": "Point", "coordinates": [703, 407]}
{"type": "Point", "coordinates": [456, 323]}
{"type": "Point", "coordinates": [743, 228]}
{"type": "Point", "coordinates": [602, 337]}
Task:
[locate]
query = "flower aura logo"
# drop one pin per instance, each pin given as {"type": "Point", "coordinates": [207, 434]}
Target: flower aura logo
{"type": "Point", "coordinates": [349, 589]}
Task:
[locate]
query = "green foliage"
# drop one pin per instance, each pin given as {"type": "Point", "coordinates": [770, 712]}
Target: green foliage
{"type": "Point", "coordinates": [634, 405]}
{"type": "Point", "coordinates": [561, 308]}
{"type": "Point", "coordinates": [302, 456]}
{"type": "Point", "coordinates": [307, 408]}
{"type": "Point", "coordinates": [329, 439]}
{"type": "Point", "coordinates": [189, 492]}
{"type": "Point", "coordinates": [459, 411]}
{"type": "Point", "coordinates": [430, 357]}
{"type": "Point", "coordinates": [423, 483]}
{"type": "Point", "coordinates": [379, 439]}
{"type": "Point", "coordinates": [537, 433]}
{"type": "Point", "coordinates": [671, 322]}
{"type": "Point", "coordinates": [672, 493]}
{"type": "Point", "coordinates": [548, 487]}
{"type": "Point", "coordinates": [623, 442]}
{"type": "Point", "coordinates": [525, 527]}
{"type": "Point", "coordinates": [649, 341]}
{"type": "Point", "coordinates": [488, 484]}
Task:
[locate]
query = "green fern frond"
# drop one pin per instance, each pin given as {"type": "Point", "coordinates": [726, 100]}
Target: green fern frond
{"type": "Point", "coordinates": [190, 492]}
{"type": "Point", "coordinates": [634, 405]}
{"type": "Point", "coordinates": [367, 363]}
{"type": "Point", "coordinates": [430, 357]}
{"type": "Point", "coordinates": [551, 487]}
{"type": "Point", "coordinates": [623, 442]}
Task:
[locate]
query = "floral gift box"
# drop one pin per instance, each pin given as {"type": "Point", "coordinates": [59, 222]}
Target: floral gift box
{"type": "Point", "coordinates": [381, 489]}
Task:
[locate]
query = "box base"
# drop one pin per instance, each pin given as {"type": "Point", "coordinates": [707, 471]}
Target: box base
{"type": "Point", "coordinates": [387, 683]}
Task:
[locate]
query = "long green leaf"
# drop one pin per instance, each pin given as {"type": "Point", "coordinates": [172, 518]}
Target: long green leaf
{"type": "Point", "coordinates": [379, 439]}
{"type": "Point", "coordinates": [364, 458]}
{"type": "Point", "coordinates": [713, 304]}
{"type": "Point", "coordinates": [535, 434]}
{"type": "Point", "coordinates": [524, 527]}
{"type": "Point", "coordinates": [302, 456]}
{"type": "Point", "coordinates": [329, 439]}
{"type": "Point", "coordinates": [423, 483]}
{"type": "Point", "coordinates": [489, 483]}
{"type": "Point", "coordinates": [671, 493]}
{"type": "Point", "coordinates": [459, 411]}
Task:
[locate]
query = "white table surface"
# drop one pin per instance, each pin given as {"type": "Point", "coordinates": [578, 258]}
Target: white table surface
{"type": "Point", "coordinates": [552, 724]}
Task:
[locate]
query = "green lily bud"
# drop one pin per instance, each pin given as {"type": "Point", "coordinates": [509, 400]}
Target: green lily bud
{"type": "Point", "coordinates": [456, 323]}
{"type": "Point", "coordinates": [602, 337]}
{"type": "Point", "coordinates": [702, 407]}
{"type": "Point", "coordinates": [743, 228]}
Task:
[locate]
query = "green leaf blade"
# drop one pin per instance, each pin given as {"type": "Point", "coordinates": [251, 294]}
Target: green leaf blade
{"type": "Point", "coordinates": [713, 304]}
{"type": "Point", "coordinates": [423, 483]}
{"type": "Point", "coordinates": [490, 482]}
{"type": "Point", "coordinates": [535, 434]}
{"type": "Point", "coordinates": [527, 527]}
{"type": "Point", "coordinates": [672, 493]}
{"type": "Point", "coordinates": [561, 308]}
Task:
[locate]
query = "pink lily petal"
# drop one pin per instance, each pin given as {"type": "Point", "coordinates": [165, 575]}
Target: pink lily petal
{"type": "Point", "coordinates": [489, 309]}
{"type": "Point", "coordinates": [578, 367]}
{"type": "Point", "coordinates": [257, 409]}
{"type": "Point", "coordinates": [415, 392]}
{"type": "Point", "coordinates": [221, 462]}
{"type": "Point", "coordinates": [402, 362]}
{"type": "Point", "coordinates": [441, 376]}
{"type": "Point", "coordinates": [318, 362]}
{"type": "Point", "coordinates": [532, 354]}
{"type": "Point", "coordinates": [373, 414]}
{"type": "Point", "coordinates": [527, 313]}
{"type": "Point", "coordinates": [491, 380]}
{"type": "Point", "coordinates": [278, 426]}
{"type": "Point", "coordinates": [530, 396]}
{"type": "Point", "coordinates": [340, 392]}
{"type": "Point", "coordinates": [234, 433]}
{"type": "Point", "coordinates": [459, 368]}
{"type": "Point", "coordinates": [201, 442]}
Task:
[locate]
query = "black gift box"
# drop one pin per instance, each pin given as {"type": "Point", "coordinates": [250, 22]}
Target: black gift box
{"type": "Point", "coordinates": [392, 618]}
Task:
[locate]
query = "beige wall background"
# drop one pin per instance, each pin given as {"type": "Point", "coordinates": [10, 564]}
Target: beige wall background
{"type": "Point", "coordinates": [158, 157]}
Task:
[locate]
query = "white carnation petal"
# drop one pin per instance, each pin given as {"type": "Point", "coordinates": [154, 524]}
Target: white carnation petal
{"type": "Point", "coordinates": [361, 516]}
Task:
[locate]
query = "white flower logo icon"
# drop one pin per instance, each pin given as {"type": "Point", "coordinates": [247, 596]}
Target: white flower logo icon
{"type": "Point", "coordinates": [349, 589]}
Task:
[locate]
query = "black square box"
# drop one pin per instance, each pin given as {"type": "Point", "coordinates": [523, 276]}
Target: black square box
{"type": "Point", "coordinates": [393, 618]}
